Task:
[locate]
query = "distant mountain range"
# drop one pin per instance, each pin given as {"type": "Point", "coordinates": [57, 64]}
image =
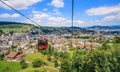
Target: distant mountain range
{"type": "Point", "coordinates": [92, 27]}
{"type": "Point", "coordinates": [115, 27]}
{"type": "Point", "coordinates": [66, 30]}
{"type": "Point", "coordinates": [9, 23]}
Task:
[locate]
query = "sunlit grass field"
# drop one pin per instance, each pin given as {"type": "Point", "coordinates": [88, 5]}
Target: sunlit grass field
{"type": "Point", "coordinates": [39, 69]}
{"type": "Point", "coordinates": [31, 56]}
{"type": "Point", "coordinates": [23, 28]}
{"type": "Point", "coordinates": [9, 66]}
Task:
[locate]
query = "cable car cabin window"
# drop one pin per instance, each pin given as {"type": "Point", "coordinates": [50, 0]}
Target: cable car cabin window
{"type": "Point", "coordinates": [41, 42]}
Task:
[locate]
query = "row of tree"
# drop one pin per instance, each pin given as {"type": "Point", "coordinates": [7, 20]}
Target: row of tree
{"type": "Point", "coordinates": [103, 59]}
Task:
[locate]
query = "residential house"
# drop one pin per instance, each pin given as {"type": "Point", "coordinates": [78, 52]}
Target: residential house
{"type": "Point", "coordinates": [15, 55]}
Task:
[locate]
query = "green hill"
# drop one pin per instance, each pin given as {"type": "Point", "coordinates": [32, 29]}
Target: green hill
{"type": "Point", "coordinates": [14, 26]}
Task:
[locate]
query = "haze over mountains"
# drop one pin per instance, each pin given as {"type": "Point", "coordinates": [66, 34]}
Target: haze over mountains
{"type": "Point", "coordinates": [68, 30]}
{"type": "Point", "coordinates": [113, 27]}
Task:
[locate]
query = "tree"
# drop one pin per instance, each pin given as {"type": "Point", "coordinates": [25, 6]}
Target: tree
{"type": "Point", "coordinates": [116, 39]}
{"type": "Point", "coordinates": [65, 55]}
{"type": "Point", "coordinates": [22, 61]}
{"type": "Point", "coordinates": [105, 46]}
{"type": "Point", "coordinates": [99, 60]}
{"type": "Point", "coordinates": [65, 66]}
{"type": "Point", "coordinates": [23, 64]}
{"type": "Point", "coordinates": [65, 62]}
{"type": "Point", "coordinates": [36, 63]}
{"type": "Point", "coordinates": [48, 57]}
{"type": "Point", "coordinates": [56, 63]}
{"type": "Point", "coordinates": [1, 32]}
{"type": "Point", "coordinates": [1, 56]}
{"type": "Point", "coordinates": [11, 32]}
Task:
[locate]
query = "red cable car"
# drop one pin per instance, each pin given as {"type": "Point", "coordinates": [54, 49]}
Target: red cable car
{"type": "Point", "coordinates": [42, 43]}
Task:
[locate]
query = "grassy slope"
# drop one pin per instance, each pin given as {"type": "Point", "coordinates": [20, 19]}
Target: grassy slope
{"type": "Point", "coordinates": [9, 66]}
{"type": "Point", "coordinates": [40, 69]}
{"type": "Point", "coordinates": [15, 28]}
{"type": "Point", "coordinates": [31, 56]}
{"type": "Point", "coordinates": [15, 66]}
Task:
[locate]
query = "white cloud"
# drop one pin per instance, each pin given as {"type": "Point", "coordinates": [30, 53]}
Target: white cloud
{"type": "Point", "coordinates": [112, 17]}
{"type": "Point", "coordinates": [103, 10]}
{"type": "Point", "coordinates": [6, 15]}
{"type": "Point", "coordinates": [40, 15]}
{"type": "Point", "coordinates": [45, 9]}
{"type": "Point", "coordinates": [107, 20]}
{"type": "Point", "coordinates": [61, 21]}
{"type": "Point", "coordinates": [57, 3]}
{"type": "Point", "coordinates": [57, 19]}
{"type": "Point", "coordinates": [57, 12]}
{"type": "Point", "coordinates": [45, 19]}
{"type": "Point", "coordinates": [80, 22]}
{"type": "Point", "coordinates": [65, 23]}
{"type": "Point", "coordinates": [19, 4]}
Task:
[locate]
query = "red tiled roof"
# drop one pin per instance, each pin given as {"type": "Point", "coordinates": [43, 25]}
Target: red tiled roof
{"type": "Point", "coordinates": [12, 54]}
{"type": "Point", "coordinates": [19, 55]}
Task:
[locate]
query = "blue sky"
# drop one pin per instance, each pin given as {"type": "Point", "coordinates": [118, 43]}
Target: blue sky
{"type": "Point", "coordinates": [58, 12]}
